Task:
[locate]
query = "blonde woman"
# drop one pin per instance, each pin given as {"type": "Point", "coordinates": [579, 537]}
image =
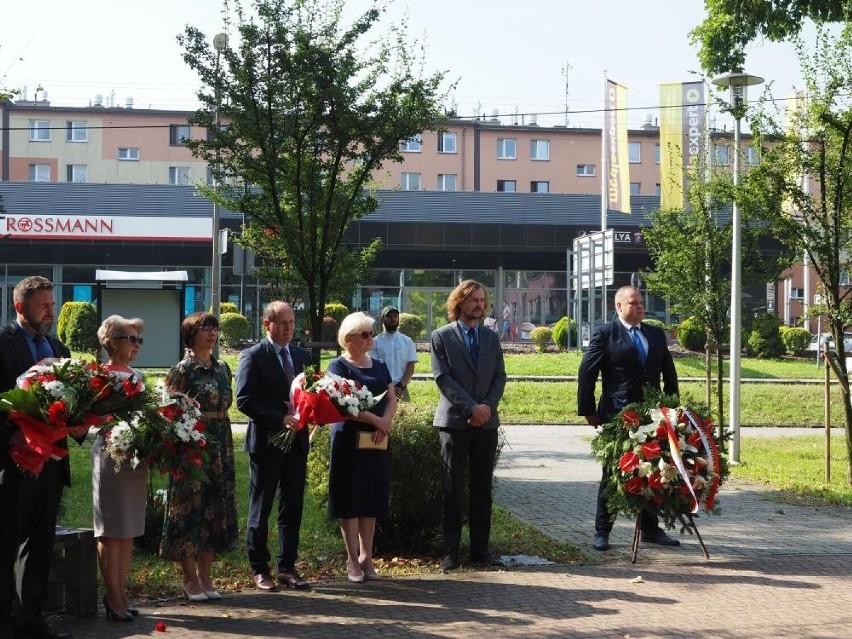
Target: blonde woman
{"type": "Point", "coordinates": [118, 498]}
{"type": "Point", "coordinates": [359, 478]}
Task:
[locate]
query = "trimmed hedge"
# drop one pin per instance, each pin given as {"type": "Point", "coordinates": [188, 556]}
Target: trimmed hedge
{"type": "Point", "coordinates": [560, 333]}
{"type": "Point", "coordinates": [337, 312]}
{"type": "Point", "coordinates": [764, 341]}
{"type": "Point", "coordinates": [233, 329]}
{"type": "Point", "coordinates": [541, 336]}
{"type": "Point", "coordinates": [795, 340]}
{"type": "Point", "coordinates": [691, 334]}
{"type": "Point", "coordinates": [80, 329]}
{"type": "Point", "coordinates": [411, 325]}
{"type": "Point", "coordinates": [657, 323]}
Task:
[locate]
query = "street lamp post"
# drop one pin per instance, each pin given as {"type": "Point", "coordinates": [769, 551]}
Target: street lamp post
{"type": "Point", "coordinates": [220, 41]}
{"type": "Point", "coordinates": [736, 84]}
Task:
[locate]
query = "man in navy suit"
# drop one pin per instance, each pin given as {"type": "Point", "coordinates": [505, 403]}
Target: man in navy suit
{"type": "Point", "coordinates": [264, 376]}
{"type": "Point", "coordinates": [29, 505]}
{"type": "Point", "coordinates": [467, 363]}
{"type": "Point", "coordinates": [629, 356]}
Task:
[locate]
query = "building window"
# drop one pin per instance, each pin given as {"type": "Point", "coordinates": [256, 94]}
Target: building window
{"type": "Point", "coordinates": [76, 131]}
{"type": "Point", "coordinates": [39, 173]}
{"type": "Point", "coordinates": [410, 182]}
{"type": "Point", "coordinates": [412, 145]}
{"type": "Point", "coordinates": [656, 154]}
{"type": "Point", "coordinates": [797, 293]}
{"type": "Point", "coordinates": [179, 175]}
{"type": "Point", "coordinates": [634, 188]}
{"type": "Point", "coordinates": [539, 187]}
{"type": "Point", "coordinates": [586, 170]}
{"type": "Point", "coordinates": [128, 153]}
{"type": "Point", "coordinates": [77, 173]}
{"type": "Point", "coordinates": [506, 148]}
{"type": "Point", "coordinates": [507, 186]}
{"type": "Point", "coordinates": [657, 190]}
{"type": "Point", "coordinates": [539, 149]}
{"type": "Point", "coordinates": [752, 156]}
{"type": "Point", "coordinates": [447, 143]}
{"type": "Point", "coordinates": [634, 151]}
{"type": "Point", "coordinates": [39, 130]}
{"type": "Point", "coordinates": [178, 134]}
{"type": "Point", "coordinates": [447, 181]}
{"type": "Point", "coordinates": [721, 154]}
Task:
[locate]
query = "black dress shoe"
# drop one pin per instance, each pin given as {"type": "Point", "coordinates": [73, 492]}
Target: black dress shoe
{"type": "Point", "coordinates": [40, 630]}
{"type": "Point", "coordinates": [449, 563]}
{"type": "Point", "coordinates": [292, 579]}
{"type": "Point", "coordinates": [601, 541]}
{"type": "Point", "coordinates": [487, 559]}
{"type": "Point", "coordinates": [659, 537]}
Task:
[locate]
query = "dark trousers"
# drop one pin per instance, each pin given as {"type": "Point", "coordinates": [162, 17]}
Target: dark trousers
{"type": "Point", "coordinates": [603, 523]}
{"type": "Point", "coordinates": [472, 448]}
{"type": "Point", "coordinates": [283, 474]}
{"type": "Point", "coordinates": [28, 512]}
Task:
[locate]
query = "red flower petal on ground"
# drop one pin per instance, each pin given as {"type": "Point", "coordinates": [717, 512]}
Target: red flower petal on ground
{"type": "Point", "coordinates": [651, 450]}
{"type": "Point", "coordinates": [160, 627]}
{"type": "Point", "coordinates": [629, 462]}
{"type": "Point", "coordinates": [634, 485]}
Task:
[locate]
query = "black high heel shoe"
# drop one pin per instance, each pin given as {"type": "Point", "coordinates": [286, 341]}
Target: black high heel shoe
{"type": "Point", "coordinates": [114, 616]}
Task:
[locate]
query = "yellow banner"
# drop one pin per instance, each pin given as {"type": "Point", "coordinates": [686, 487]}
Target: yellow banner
{"type": "Point", "coordinates": [616, 150]}
{"type": "Point", "coordinates": [682, 112]}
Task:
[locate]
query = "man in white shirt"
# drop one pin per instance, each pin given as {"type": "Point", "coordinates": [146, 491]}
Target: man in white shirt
{"type": "Point", "coordinates": [397, 351]}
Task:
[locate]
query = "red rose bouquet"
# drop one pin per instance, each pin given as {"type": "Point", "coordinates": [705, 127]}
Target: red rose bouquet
{"type": "Point", "coordinates": [178, 443]}
{"type": "Point", "coordinates": [662, 456]}
{"type": "Point", "coordinates": [58, 395]}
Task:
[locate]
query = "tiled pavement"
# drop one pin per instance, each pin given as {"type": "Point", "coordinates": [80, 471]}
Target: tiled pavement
{"type": "Point", "coordinates": [775, 570]}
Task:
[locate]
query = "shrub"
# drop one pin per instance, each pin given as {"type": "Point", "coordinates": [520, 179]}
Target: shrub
{"type": "Point", "coordinates": [411, 325]}
{"type": "Point", "coordinates": [337, 312]}
{"type": "Point", "coordinates": [541, 336]}
{"type": "Point", "coordinates": [62, 320]}
{"type": "Point", "coordinates": [228, 307]}
{"type": "Point", "coordinates": [233, 329]}
{"type": "Point", "coordinates": [691, 334]}
{"type": "Point", "coordinates": [81, 329]}
{"type": "Point", "coordinates": [655, 322]}
{"type": "Point", "coordinates": [764, 341]}
{"type": "Point", "coordinates": [329, 329]}
{"type": "Point", "coordinates": [795, 340]}
{"type": "Point", "coordinates": [415, 514]}
{"type": "Point", "coordinates": [561, 330]}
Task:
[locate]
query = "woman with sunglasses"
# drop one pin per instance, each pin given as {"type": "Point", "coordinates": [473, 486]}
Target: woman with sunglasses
{"type": "Point", "coordinates": [118, 498]}
{"type": "Point", "coordinates": [201, 517]}
{"type": "Point", "coordinates": [359, 475]}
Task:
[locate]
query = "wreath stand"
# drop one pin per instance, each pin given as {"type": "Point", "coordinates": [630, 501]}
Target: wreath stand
{"type": "Point", "coordinates": [691, 524]}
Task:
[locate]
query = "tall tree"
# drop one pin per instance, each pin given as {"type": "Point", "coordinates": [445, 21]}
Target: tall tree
{"type": "Point", "coordinates": [313, 108]}
{"type": "Point", "coordinates": [805, 182]}
{"type": "Point", "coordinates": [731, 25]}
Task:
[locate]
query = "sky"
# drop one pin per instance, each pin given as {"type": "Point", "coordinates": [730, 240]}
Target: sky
{"type": "Point", "coordinates": [524, 56]}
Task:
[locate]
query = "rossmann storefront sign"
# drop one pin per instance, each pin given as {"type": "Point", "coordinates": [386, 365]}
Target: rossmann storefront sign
{"type": "Point", "coordinates": [99, 227]}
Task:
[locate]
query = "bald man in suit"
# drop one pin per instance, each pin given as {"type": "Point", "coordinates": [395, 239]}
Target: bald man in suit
{"type": "Point", "coordinates": [627, 365]}
{"type": "Point", "coordinates": [467, 363]}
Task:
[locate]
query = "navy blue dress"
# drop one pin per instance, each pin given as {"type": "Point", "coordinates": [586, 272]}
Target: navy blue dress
{"type": "Point", "coordinates": [358, 480]}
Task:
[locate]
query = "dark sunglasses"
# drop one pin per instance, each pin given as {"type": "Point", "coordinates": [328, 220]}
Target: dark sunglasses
{"type": "Point", "coordinates": [133, 339]}
{"type": "Point", "coordinates": [365, 334]}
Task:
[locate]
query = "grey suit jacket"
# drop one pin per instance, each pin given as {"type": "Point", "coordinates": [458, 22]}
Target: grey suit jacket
{"type": "Point", "coordinates": [462, 384]}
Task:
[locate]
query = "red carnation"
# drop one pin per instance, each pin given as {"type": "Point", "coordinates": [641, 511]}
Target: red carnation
{"type": "Point", "coordinates": [58, 413]}
{"type": "Point", "coordinates": [630, 418]}
{"type": "Point", "coordinates": [634, 485]}
{"type": "Point", "coordinates": [629, 462]}
{"type": "Point", "coordinates": [651, 450]}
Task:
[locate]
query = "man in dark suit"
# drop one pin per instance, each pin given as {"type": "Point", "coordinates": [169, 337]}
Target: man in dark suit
{"type": "Point", "coordinates": [630, 356]}
{"type": "Point", "coordinates": [264, 376]}
{"type": "Point", "coordinates": [29, 505]}
{"type": "Point", "coordinates": [467, 363]}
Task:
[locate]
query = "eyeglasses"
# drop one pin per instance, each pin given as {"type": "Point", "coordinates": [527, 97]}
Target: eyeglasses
{"type": "Point", "coordinates": [132, 339]}
{"type": "Point", "coordinates": [365, 334]}
{"type": "Point", "coordinates": [210, 329]}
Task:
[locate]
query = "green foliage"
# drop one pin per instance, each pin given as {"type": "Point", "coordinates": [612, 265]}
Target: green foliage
{"type": "Point", "coordinates": [62, 320]}
{"type": "Point", "coordinates": [795, 340]}
{"type": "Point", "coordinates": [233, 329]}
{"type": "Point", "coordinates": [415, 480]}
{"type": "Point", "coordinates": [561, 331]}
{"type": "Point", "coordinates": [329, 329]}
{"type": "Point", "coordinates": [336, 311]}
{"type": "Point", "coordinates": [228, 307]}
{"type": "Point", "coordinates": [541, 336]}
{"type": "Point", "coordinates": [655, 322]}
{"type": "Point", "coordinates": [691, 334]}
{"type": "Point", "coordinates": [764, 341]}
{"type": "Point", "coordinates": [411, 325]}
{"type": "Point", "coordinates": [336, 100]}
{"type": "Point", "coordinates": [81, 328]}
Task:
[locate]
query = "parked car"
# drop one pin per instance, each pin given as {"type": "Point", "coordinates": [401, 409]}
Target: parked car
{"type": "Point", "coordinates": [826, 338]}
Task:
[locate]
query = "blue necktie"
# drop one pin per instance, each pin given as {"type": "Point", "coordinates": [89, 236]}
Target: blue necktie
{"type": "Point", "coordinates": [634, 333]}
{"type": "Point", "coordinates": [288, 365]}
{"type": "Point", "coordinates": [43, 350]}
{"type": "Point", "coordinates": [473, 344]}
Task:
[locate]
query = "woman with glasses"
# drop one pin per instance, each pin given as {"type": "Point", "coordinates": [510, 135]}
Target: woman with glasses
{"type": "Point", "coordinates": [359, 472]}
{"type": "Point", "coordinates": [201, 517]}
{"type": "Point", "coordinates": [118, 498]}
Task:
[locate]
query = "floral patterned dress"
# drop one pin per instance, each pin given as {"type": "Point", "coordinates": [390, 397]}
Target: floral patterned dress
{"type": "Point", "coordinates": [202, 516]}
